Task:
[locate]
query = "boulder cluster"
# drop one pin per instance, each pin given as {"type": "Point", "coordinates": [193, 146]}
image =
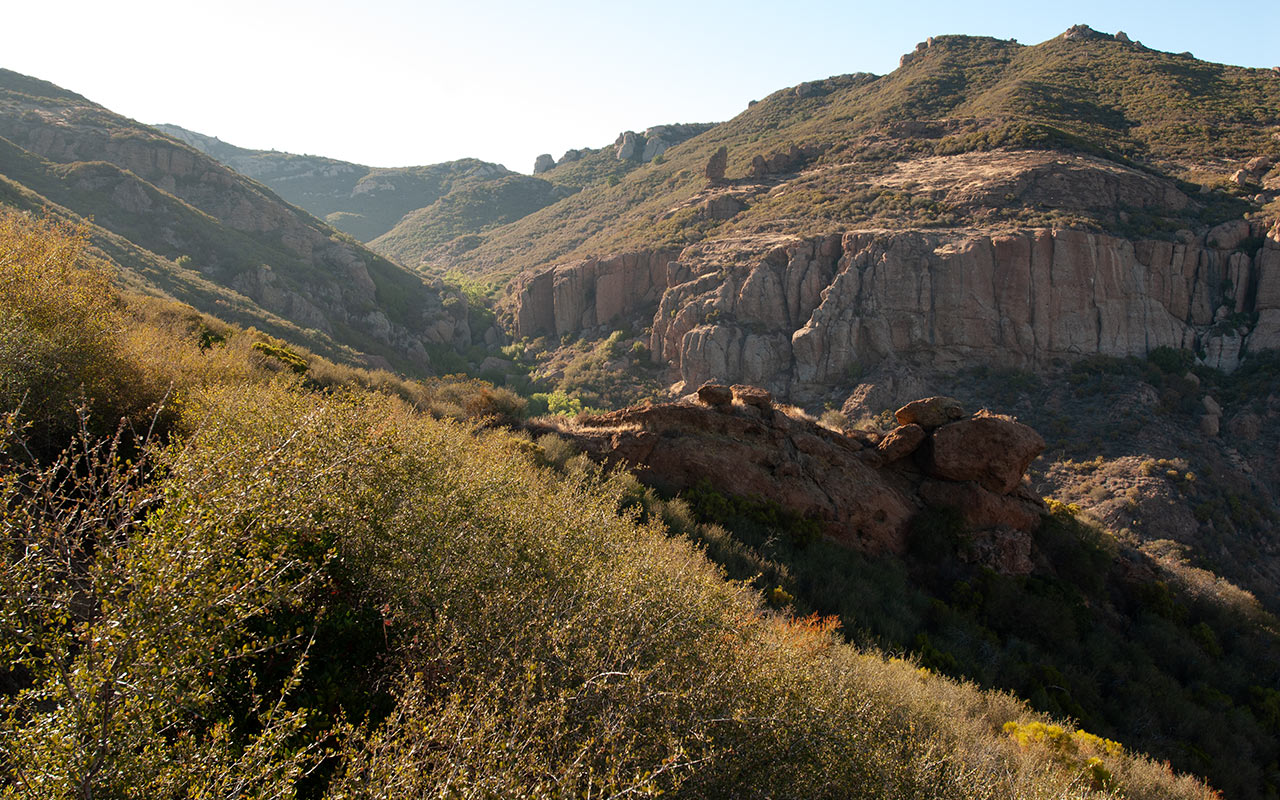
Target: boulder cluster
{"type": "Point", "coordinates": [865, 490]}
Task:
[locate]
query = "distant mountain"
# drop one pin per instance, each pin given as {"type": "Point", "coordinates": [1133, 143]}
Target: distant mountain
{"type": "Point", "coordinates": [926, 147]}
{"type": "Point", "coordinates": [365, 202]}
{"type": "Point", "coordinates": [177, 222]}
{"type": "Point", "coordinates": [427, 216]}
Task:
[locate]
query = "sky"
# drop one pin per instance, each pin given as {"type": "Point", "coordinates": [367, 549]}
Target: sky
{"type": "Point", "coordinates": [397, 83]}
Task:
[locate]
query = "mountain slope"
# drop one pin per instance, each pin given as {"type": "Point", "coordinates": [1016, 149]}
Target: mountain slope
{"type": "Point", "coordinates": [365, 202]}
{"type": "Point", "coordinates": [182, 206]}
{"type": "Point", "coordinates": [1157, 116]}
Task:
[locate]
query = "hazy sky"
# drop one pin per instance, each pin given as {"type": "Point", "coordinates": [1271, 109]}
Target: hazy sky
{"type": "Point", "coordinates": [394, 83]}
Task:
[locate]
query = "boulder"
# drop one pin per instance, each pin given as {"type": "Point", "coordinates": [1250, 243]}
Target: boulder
{"type": "Point", "coordinates": [1209, 424]}
{"type": "Point", "coordinates": [715, 394]}
{"type": "Point", "coordinates": [1211, 406]}
{"type": "Point", "coordinates": [901, 442]}
{"type": "Point", "coordinates": [1258, 165]}
{"type": "Point", "coordinates": [628, 146]}
{"type": "Point", "coordinates": [752, 396]}
{"type": "Point", "coordinates": [1228, 235]}
{"type": "Point", "coordinates": [930, 413]}
{"type": "Point", "coordinates": [992, 450]}
{"type": "Point", "coordinates": [983, 509]}
{"type": "Point", "coordinates": [1244, 427]}
{"type": "Point", "coordinates": [654, 146]}
{"type": "Point", "coordinates": [716, 165]}
{"type": "Point", "coordinates": [543, 163]}
{"type": "Point", "coordinates": [723, 207]}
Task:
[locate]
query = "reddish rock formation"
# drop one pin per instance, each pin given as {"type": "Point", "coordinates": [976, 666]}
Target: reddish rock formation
{"type": "Point", "coordinates": [863, 497]}
{"type": "Point", "coordinates": [901, 442]}
{"type": "Point", "coordinates": [714, 394]}
{"type": "Point", "coordinates": [992, 450]}
{"type": "Point", "coordinates": [930, 412]}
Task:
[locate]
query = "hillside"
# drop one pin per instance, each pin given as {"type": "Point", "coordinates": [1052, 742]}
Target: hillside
{"type": "Point", "coordinates": [968, 131]}
{"type": "Point", "coordinates": [283, 579]}
{"type": "Point", "coordinates": [427, 217]}
{"type": "Point", "coordinates": [365, 202]}
{"type": "Point", "coordinates": [205, 235]}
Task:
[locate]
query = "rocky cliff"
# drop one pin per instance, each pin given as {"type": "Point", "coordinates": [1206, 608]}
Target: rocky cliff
{"type": "Point", "coordinates": [863, 490]}
{"type": "Point", "coordinates": [800, 314]}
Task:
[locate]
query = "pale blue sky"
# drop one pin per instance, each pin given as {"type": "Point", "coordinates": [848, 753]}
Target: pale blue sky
{"type": "Point", "coordinates": [393, 83]}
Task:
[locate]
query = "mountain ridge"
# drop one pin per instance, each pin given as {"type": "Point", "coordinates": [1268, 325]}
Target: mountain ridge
{"type": "Point", "coordinates": [191, 211]}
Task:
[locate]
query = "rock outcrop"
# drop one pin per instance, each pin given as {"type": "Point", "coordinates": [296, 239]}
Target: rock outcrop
{"type": "Point", "coordinates": [800, 315]}
{"type": "Point", "coordinates": [585, 294]}
{"type": "Point", "coordinates": [863, 495]}
{"type": "Point", "coordinates": [655, 141]}
{"type": "Point", "coordinates": [543, 163]}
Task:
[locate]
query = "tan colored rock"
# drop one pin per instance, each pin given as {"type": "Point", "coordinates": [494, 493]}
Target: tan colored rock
{"type": "Point", "coordinates": [1258, 165]}
{"type": "Point", "coordinates": [1228, 235]}
{"type": "Point", "coordinates": [1241, 177]}
{"type": "Point", "coordinates": [716, 165]}
{"type": "Point", "coordinates": [931, 412]}
{"type": "Point", "coordinates": [992, 450]}
{"type": "Point", "coordinates": [1211, 406]}
{"type": "Point", "coordinates": [901, 442]}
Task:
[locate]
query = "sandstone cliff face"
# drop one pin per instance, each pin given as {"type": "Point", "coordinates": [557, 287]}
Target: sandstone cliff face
{"type": "Point", "coordinates": [584, 294]}
{"type": "Point", "coordinates": [798, 315]}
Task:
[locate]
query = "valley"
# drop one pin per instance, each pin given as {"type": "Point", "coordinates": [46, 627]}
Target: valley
{"type": "Point", "coordinates": [905, 435]}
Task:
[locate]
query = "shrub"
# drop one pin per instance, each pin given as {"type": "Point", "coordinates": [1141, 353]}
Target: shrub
{"type": "Point", "coordinates": [60, 333]}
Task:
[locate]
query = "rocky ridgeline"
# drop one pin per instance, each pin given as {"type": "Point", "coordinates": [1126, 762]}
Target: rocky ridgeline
{"type": "Point", "coordinates": [864, 490]}
{"type": "Point", "coordinates": [799, 315]}
{"type": "Point", "coordinates": [631, 146]}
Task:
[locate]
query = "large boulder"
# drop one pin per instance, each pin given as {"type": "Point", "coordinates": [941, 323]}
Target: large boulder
{"type": "Point", "coordinates": [981, 508]}
{"type": "Point", "coordinates": [930, 413]}
{"type": "Point", "coordinates": [901, 442]}
{"type": "Point", "coordinates": [715, 394]}
{"type": "Point", "coordinates": [543, 163]}
{"type": "Point", "coordinates": [716, 165]}
{"type": "Point", "coordinates": [991, 450]}
{"type": "Point", "coordinates": [752, 396]}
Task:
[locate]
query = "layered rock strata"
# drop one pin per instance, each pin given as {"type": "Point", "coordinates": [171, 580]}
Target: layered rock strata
{"type": "Point", "coordinates": [798, 315]}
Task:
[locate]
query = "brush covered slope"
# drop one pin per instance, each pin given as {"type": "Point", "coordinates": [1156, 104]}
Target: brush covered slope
{"type": "Point", "coordinates": [278, 590]}
{"type": "Point", "coordinates": [1084, 130]}
{"type": "Point", "coordinates": [925, 538]}
{"type": "Point", "coordinates": [184, 214]}
{"type": "Point", "coordinates": [365, 202]}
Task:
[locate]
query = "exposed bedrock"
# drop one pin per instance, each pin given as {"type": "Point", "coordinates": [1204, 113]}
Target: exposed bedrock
{"type": "Point", "coordinates": [863, 491]}
{"type": "Point", "coordinates": [799, 315]}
